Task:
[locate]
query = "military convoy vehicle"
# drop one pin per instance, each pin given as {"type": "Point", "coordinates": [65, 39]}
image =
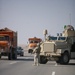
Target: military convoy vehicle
{"type": "Point", "coordinates": [33, 43]}
{"type": "Point", "coordinates": [60, 48]}
{"type": "Point", "coordinates": [8, 43]}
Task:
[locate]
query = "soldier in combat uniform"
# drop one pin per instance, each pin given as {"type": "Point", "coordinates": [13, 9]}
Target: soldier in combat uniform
{"type": "Point", "coordinates": [36, 52]}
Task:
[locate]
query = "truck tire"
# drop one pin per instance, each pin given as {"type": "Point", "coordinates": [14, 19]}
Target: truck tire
{"type": "Point", "coordinates": [64, 59]}
{"type": "Point", "coordinates": [14, 54]}
{"type": "Point", "coordinates": [0, 56]}
{"type": "Point", "coordinates": [9, 56]}
{"type": "Point", "coordinates": [12, 57]}
{"type": "Point", "coordinates": [43, 60]}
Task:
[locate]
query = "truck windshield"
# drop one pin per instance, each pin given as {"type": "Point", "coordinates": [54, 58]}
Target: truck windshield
{"type": "Point", "coordinates": [62, 38]}
{"type": "Point", "coordinates": [33, 41]}
{"type": "Point", "coordinates": [4, 38]}
{"type": "Point", "coordinates": [59, 38]}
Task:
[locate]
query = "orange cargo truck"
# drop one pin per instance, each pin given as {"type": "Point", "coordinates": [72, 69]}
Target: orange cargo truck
{"type": "Point", "coordinates": [8, 43]}
{"type": "Point", "coordinates": [33, 43]}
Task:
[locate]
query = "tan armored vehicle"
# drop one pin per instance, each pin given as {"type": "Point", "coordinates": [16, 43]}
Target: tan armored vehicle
{"type": "Point", "coordinates": [60, 48]}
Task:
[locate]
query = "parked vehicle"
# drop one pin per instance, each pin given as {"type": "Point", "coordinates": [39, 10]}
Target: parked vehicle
{"type": "Point", "coordinates": [20, 51]}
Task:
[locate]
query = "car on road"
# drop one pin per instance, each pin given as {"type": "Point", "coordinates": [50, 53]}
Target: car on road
{"type": "Point", "coordinates": [20, 51]}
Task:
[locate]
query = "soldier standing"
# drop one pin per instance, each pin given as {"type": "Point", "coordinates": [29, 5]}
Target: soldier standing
{"type": "Point", "coordinates": [36, 52]}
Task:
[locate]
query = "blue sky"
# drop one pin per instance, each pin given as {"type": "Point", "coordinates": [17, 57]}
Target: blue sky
{"type": "Point", "coordinates": [30, 17]}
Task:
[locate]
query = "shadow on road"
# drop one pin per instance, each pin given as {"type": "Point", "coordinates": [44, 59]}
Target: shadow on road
{"type": "Point", "coordinates": [71, 64]}
{"type": "Point", "coordinates": [19, 58]}
{"type": "Point", "coordinates": [5, 59]}
{"type": "Point", "coordinates": [25, 59]}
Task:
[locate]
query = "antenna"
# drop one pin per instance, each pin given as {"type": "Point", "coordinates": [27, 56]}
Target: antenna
{"type": "Point", "coordinates": [70, 18]}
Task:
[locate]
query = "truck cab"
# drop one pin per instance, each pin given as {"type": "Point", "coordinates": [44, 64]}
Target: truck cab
{"type": "Point", "coordinates": [33, 43]}
{"type": "Point", "coordinates": [4, 43]}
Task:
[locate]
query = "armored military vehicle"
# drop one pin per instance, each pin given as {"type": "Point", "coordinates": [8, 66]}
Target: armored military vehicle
{"type": "Point", "coordinates": [60, 48]}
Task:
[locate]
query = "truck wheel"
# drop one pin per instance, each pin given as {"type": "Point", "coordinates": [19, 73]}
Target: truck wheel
{"type": "Point", "coordinates": [43, 60]}
{"type": "Point", "coordinates": [65, 58]}
{"type": "Point", "coordinates": [0, 56]}
{"type": "Point", "coordinates": [14, 54]}
{"type": "Point", "coordinates": [9, 56]}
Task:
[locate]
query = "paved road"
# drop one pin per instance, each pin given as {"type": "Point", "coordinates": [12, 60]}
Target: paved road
{"type": "Point", "coordinates": [24, 66]}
